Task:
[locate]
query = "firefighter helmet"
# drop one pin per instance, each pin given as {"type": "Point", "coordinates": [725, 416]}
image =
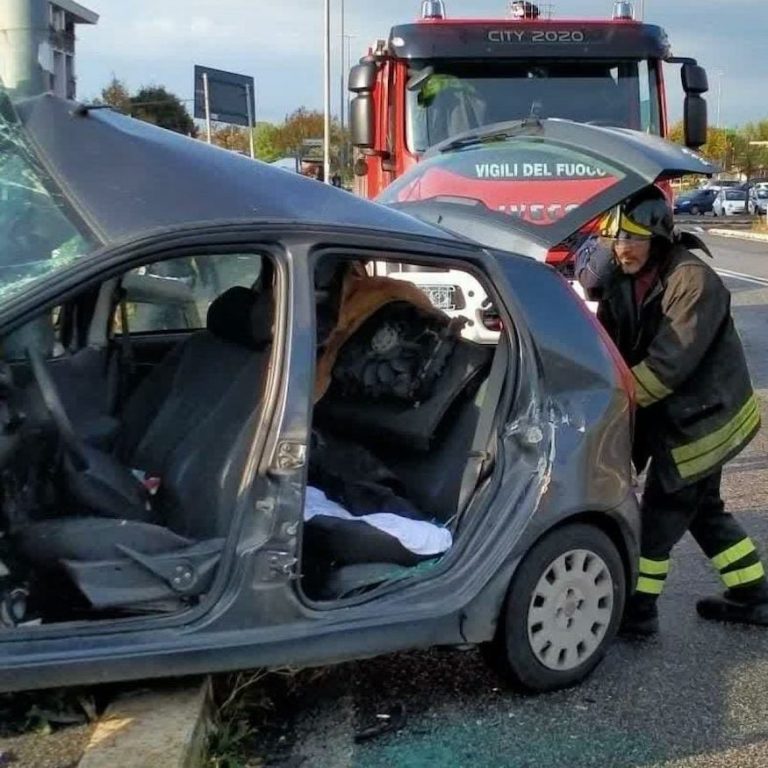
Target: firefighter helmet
{"type": "Point", "coordinates": [647, 215]}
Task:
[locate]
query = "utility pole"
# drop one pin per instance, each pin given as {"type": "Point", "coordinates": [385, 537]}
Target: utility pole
{"type": "Point", "coordinates": [761, 144]}
{"type": "Point", "coordinates": [719, 74]}
{"type": "Point", "coordinates": [24, 34]}
{"type": "Point", "coordinates": [327, 93]}
{"type": "Point", "coordinates": [346, 44]}
{"type": "Point", "coordinates": [342, 88]}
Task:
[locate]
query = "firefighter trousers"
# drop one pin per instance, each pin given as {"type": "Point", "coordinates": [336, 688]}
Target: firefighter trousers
{"type": "Point", "coordinates": [698, 508]}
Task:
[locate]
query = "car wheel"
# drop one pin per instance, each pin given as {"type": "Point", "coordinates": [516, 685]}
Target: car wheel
{"type": "Point", "coordinates": [695, 210]}
{"type": "Point", "coordinates": [562, 610]}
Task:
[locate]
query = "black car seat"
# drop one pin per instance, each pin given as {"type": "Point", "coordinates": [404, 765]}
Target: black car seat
{"type": "Point", "coordinates": [188, 424]}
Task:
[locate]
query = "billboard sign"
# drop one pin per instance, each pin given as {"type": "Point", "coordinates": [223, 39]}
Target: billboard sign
{"type": "Point", "coordinates": [231, 97]}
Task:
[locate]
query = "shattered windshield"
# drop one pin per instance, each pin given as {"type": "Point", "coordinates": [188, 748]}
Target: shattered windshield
{"type": "Point", "coordinates": [37, 237]}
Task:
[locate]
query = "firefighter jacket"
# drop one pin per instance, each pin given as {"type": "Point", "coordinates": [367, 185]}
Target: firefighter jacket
{"type": "Point", "coordinates": [697, 408]}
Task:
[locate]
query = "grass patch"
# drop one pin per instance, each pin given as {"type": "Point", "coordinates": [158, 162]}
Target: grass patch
{"type": "Point", "coordinates": [253, 715]}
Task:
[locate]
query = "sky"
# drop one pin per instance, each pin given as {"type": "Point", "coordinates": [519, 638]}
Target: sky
{"type": "Point", "coordinates": [280, 43]}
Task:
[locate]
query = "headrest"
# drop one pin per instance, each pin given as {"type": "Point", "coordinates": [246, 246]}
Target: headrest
{"type": "Point", "coordinates": [243, 317]}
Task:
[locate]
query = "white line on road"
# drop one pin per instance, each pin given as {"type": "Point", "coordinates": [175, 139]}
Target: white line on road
{"type": "Point", "coordinates": [742, 276]}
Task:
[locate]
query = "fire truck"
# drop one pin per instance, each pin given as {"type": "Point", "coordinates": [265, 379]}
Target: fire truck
{"type": "Point", "coordinates": [440, 77]}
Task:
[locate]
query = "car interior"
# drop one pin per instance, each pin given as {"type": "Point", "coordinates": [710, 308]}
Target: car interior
{"type": "Point", "coordinates": [134, 407]}
{"type": "Point", "coordinates": [397, 465]}
{"type": "Point", "coordinates": [132, 410]}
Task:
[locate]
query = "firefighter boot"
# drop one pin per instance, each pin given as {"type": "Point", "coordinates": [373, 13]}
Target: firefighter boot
{"type": "Point", "coordinates": [742, 605]}
{"type": "Point", "coordinates": [641, 617]}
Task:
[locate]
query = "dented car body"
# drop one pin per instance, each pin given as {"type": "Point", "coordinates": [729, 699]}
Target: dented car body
{"type": "Point", "coordinates": [160, 315]}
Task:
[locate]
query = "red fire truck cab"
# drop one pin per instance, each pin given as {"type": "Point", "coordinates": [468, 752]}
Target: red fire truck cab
{"type": "Point", "coordinates": [441, 77]}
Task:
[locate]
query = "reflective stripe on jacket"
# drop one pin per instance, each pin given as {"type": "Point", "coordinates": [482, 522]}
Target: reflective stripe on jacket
{"type": "Point", "coordinates": [697, 407]}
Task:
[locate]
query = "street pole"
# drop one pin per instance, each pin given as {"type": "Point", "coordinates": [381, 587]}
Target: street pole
{"type": "Point", "coordinates": [207, 101]}
{"type": "Point", "coordinates": [347, 44]}
{"type": "Point", "coordinates": [719, 94]}
{"type": "Point", "coordinates": [341, 78]}
{"type": "Point", "coordinates": [25, 46]}
{"type": "Point", "coordinates": [250, 119]}
{"type": "Point", "coordinates": [761, 144]}
{"type": "Point", "coordinates": [327, 95]}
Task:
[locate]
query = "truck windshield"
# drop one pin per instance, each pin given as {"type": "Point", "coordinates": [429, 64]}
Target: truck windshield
{"type": "Point", "coordinates": [448, 98]}
{"type": "Point", "coordinates": [36, 234]}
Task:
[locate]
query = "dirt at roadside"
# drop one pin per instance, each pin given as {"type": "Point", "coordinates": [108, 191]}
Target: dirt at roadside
{"type": "Point", "coordinates": [59, 749]}
{"type": "Point", "coordinates": [46, 729]}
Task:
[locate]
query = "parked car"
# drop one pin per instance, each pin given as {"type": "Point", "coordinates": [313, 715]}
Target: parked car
{"type": "Point", "coordinates": [696, 202]}
{"type": "Point", "coordinates": [730, 202]}
{"type": "Point", "coordinates": [182, 489]}
{"type": "Point", "coordinates": [758, 200]}
{"type": "Point", "coordinates": [719, 184]}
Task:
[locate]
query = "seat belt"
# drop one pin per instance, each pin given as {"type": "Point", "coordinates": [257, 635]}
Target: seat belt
{"type": "Point", "coordinates": [126, 367]}
{"type": "Point", "coordinates": [488, 399]}
{"type": "Point", "coordinates": [125, 337]}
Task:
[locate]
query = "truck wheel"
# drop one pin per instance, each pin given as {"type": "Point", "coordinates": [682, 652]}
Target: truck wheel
{"type": "Point", "coordinates": [562, 610]}
{"type": "Point", "coordinates": [695, 210]}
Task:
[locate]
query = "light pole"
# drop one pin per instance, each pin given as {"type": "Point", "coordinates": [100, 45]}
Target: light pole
{"type": "Point", "coordinates": [719, 74]}
{"type": "Point", "coordinates": [341, 74]}
{"type": "Point", "coordinates": [346, 63]}
{"type": "Point", "coordinates": [327, 94]}
{"type": "Point", "coordinates": [761, 144]}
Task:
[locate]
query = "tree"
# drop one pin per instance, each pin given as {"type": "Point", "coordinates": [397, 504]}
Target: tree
{"type": "Point", "coordinates": [231, 137]}
{"type": "Point", "coordinates": [116, 95]}
{"type": "Point", "coordinates": [235, 138]}
{"type": "Point", "coordinates": [157, 105]}
{"type": "Point", "coordinates": [714, 150]}
{"type": "Point", "coordinates": [264, 139]}
{"type": "Point", "coordinates": [307, 124]}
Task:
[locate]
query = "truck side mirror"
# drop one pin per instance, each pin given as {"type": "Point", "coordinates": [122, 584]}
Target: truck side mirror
{"type": "Point", "coordinates": [695, 121]}
{"type": "Point", "coordinates": [362, 125]}
{"type": "Point", "coordinates": [694, 79]}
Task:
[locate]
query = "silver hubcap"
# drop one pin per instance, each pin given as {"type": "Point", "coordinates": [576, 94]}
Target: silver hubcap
{"type": "Point", "coordinates": [570, 610]}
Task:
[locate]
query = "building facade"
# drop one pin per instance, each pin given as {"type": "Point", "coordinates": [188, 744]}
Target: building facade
{"type": "Point", "coordinates": [37, 45]}
{"type": "Point", "coordinates": [63, 16]}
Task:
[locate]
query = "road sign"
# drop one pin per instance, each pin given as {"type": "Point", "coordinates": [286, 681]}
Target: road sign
{"type": "Point", "coordinates": [230, 96]}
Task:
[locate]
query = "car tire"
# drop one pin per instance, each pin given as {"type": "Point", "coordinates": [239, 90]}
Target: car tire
{"type": "Point", "coordinates": [577, 613]}
{"type": "Point", "coordinates": [695, 211]}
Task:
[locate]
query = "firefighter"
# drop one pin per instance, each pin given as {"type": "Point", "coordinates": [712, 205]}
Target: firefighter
{"type": "Point", "coordinates": [669, 314]}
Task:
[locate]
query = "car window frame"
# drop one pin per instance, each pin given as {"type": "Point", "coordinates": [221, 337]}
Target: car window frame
{"type": "Point", "coordinates": [116, 261]}
{"type": "Point", "coordinates": [112, 333]}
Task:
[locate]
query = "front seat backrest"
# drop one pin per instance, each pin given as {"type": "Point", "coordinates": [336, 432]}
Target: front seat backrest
{"type": "Point", "coordinates": [217, 401]}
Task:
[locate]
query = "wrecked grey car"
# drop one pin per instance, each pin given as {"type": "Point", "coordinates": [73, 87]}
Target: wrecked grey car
{"type": "Point", "coordinates": [212, 458]}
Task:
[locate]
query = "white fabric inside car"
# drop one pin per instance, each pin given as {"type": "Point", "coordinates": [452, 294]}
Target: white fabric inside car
{"type": "Point", "coordinates": [418, 536]}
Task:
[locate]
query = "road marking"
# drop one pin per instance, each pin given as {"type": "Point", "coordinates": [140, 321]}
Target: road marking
{"type": "Point", "coordinates": [742, 276]}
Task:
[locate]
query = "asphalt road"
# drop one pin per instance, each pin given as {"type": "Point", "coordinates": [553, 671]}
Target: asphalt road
{"type": "Point", "coordinates": [696, 696]}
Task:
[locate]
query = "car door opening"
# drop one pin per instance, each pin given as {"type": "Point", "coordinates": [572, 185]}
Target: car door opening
{"type": "Point", "coordinates": [122, 483]}
{"type": "Point", "coordinates": [400, 385]}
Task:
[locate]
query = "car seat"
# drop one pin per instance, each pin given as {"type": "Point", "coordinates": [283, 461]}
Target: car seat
{"type": "Point", "coordinates": [188, 423]}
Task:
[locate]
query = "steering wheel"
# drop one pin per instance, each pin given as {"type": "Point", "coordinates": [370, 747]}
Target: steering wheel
{"type": "Point", "coordinates": [55, 407]}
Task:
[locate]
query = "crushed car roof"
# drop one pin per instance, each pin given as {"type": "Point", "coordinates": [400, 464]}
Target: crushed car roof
{"type": "Point", "coordinates": [126, 177]}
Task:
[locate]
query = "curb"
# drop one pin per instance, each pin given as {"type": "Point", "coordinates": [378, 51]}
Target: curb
{"type": "Point", "coordinates": [756, 236]}
{"type": "Point", "coordinates": [159, 728]}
